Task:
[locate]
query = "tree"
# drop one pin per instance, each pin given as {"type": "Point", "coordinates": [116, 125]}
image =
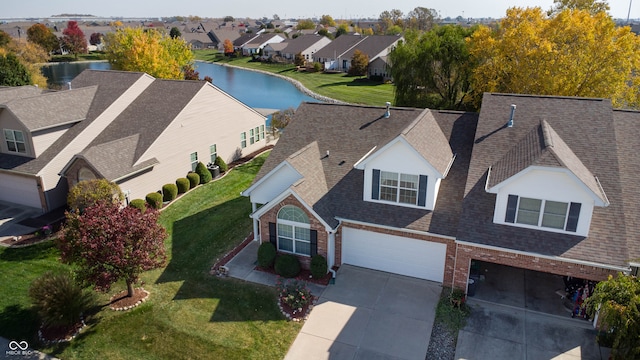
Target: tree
{"type": "Point", "coordinates": [73, 39]}
{"type": "Point", "coordinates": [109, 243]}
{"type": "Point", "coordinates": [391, 18]}
{"type": "Point", "coordinates": [299, 60]}
{"type": "Point", "coordinates": [327, 20]}
{"type": "Point", "coordinates": [42, 35]}
{"type": "Point", "coordinates": [276, 17]}
{"type": "Point", "coordinates": [228, 47]}
{"type": "Point", "coordinates": [359, 63]}
{"type": "Point", "coordinates": [592, 6]}
{"type": "Point", "coordinates": [422, 18]}
{"type": "Point", "coordinates": [190, 73]}
{"type": "Point", "coordinates": [4, 38]}
{"type": "Point", "coordinates": [326, 33]}
{"type": "Point", "coordinates": [571, 54]}
{"type": "Point", "coordinates": [280, 119]}
{"type": "Point", "coordinates": [342, 29]}
{"type": "Point", "coordinates": [433, 70]}
{"type": "Point", "coordinates": [150, 51]}
{"type": "Point", "coordinates": [306, 24]}
{"type": "Point", "coordinates": [618, 302]}
{"type": "Point", "coordinates": [229, 19]}
{"type": "Point", "coordinates": [175, 33]}
{"type": "Point", "coordinates": [87, 193]}
{"type": "Point", "coordinates": [95, 39]}
{"type": "Point", "coordinates": [12, 72]}
{"type": "Point", "coordinates": [31, 56]}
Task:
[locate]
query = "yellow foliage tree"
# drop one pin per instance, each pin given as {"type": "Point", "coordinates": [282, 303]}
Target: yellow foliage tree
{"type": "Point", "coordinates": [573, 53]}
{"type": "Point", "coordinates": [148, 50]}
{"type": "Point", "coordinates": [31, 55]}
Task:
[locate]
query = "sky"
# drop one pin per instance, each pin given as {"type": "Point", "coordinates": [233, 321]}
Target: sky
{"type": "Point", "coordinates": [283, 8]}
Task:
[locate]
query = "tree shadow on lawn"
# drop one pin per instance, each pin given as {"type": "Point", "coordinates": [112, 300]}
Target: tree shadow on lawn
{"type": "Point", "coordinates": [39, 251]}
{"type": "Point", "coordinates": [353, 82]}
{"type": "Point", "coordinates": [197, 241]}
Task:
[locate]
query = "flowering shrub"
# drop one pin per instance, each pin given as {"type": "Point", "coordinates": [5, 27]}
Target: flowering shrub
{"type": "Point", "coordinates": [294, 293]}
{"type": "Point", "coordinates": [46, 230]}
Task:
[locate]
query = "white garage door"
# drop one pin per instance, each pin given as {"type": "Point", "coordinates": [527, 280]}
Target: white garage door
{"type": "Point", "coordinates": [19, 190]}
{"type": "Point", "coordinates": [394, 254]}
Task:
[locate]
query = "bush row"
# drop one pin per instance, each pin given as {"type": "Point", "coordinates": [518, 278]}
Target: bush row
{"type": "Point", "coordinates": [287, 265]}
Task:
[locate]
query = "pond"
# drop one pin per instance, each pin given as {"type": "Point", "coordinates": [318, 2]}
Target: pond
{"type": "Point", "coordinates": [255, 89]}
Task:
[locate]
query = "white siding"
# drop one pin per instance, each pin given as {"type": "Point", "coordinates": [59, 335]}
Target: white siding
{"type": "Point", "coordinates": [20, 190]}
{"type": "Point", "coordinates": [44, 139]}
{"type": "Point", "coordinates": [274, 185]}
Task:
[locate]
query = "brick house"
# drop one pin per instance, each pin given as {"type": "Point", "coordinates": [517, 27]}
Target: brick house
{"type": "Point", "coordinates": [544, 185]}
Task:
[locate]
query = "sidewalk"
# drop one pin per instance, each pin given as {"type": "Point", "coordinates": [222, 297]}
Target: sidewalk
{"type": "Point", "coordinates": [243, 265]}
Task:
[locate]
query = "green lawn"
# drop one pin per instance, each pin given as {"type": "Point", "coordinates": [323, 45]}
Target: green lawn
{"type": "Point", "coordinates": [337, 86]}
{"type": "Point", "coordinates": [190, 314]}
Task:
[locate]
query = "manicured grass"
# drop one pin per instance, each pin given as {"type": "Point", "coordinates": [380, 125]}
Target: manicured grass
{"type": "Point", "coordinates": [92, 56]}
{"type": "Point", "coordinates": [337, 86]}
{"type": "Point", "coordinates": [190, 314]}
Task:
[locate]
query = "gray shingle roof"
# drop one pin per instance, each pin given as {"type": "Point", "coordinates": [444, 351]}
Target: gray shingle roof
{"type": "Point", "coordinates": [9, 93]}
{"type": "Point", "coordinates": [586, 126]}
{"type": "Point", "coordinates": [372, 45]}
{"type": "Point", "coordinates": [427, 138]}
{"type": "Point", "coordinates": [339, 46]}
{"type": "Point", "coordinates": [301, 43]}
{"type": "Point", "coordinates": [348, 132]}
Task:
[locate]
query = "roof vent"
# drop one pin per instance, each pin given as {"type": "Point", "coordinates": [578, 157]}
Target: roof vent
{"type": "Point", "coordinates": [513, 112]}
{"type": "Point", "coordinates": [388, 112]}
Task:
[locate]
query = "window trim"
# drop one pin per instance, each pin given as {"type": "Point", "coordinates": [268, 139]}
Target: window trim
{"type": "Point", "coordinates": [571, 216]}
{"type": "Point", "coordinates": [213, 154]}
{"type": "Point", "coordinates": [243, 139]}
{"type": "Point", "coordinates": [15, 141]}
{"type": "Point", "coordinates": [252, 139]}
{"type": "Point", "coordinates": [261, 132]}
{"type": "Point", "coordinates": [294, 226]}
{"type": "Point", "coordinates": [398, 187]}
{"type": "Point", "coordinates": [194, 163]}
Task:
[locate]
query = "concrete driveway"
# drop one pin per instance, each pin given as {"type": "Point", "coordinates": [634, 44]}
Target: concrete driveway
{"type": "Point", "coordinates": [495, 331]}
{"type": "Point", "coordinates": [369, 314]}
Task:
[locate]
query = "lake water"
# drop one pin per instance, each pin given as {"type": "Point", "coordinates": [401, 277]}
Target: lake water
{"type": "Point", "coordinates": [255, 89]}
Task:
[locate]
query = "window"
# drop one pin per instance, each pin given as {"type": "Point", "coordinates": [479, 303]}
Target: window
{"type": "Point", "coordinates": [543, 213]}
{"type": "Point", "coordinates": [261, 132]}
{"type": "Point", "coordinates": [213, 152]}
{"type": "Point", "coordinates": [243, 140]}
{"type": "Point", "coordinates": [251, 139]}
{"type": "Point", "coordinates": [294, 234]}
{"type": "Point", "coordinates": [402, 188]}
{"type": "Point", "coordinates": [15, 141]}
{"type": "Point", "coordinates": [257, 132]}
{"type": "Point", "coordinates": [85, 174]}
{"type": "Point", "coordinates": [194, 161]}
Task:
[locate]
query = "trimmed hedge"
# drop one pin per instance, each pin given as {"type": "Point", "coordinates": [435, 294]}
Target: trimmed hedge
{"type": "Point", "coordinates": [183, 185]}
{"type": "Point", "coordinates": [138, 204]}
{"type": "Point", "coordinates": [194, 179]}
{"type": "Point", "coordinates": [169, 192]}
{"type": "Point", "coordinates": [203, 172]}
{"type": "Point", "coordinates": [266, 255]}
{"type": "Point", "coordinates": [318, 266]}
{"type": "Point", "coordinates": [287, 266]}
{"type": "Point", "coordinates": [154, 200]}
{"type": "Point", "coordinates": [221, 164]}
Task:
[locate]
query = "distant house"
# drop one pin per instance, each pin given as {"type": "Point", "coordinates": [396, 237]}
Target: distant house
{"type": "Point", "coordinates": [332, 55]}
{"type": "Point", "coordinates": [240, 42]}
{"type": "Point", "coordinates": [373, 46]}
{"type": "Point", "coordinates": [199, 40]}
{"type": "Point", "coordinates": [254, 45]}
{"type": "Point", "coordinates": [127, 127]}
{"type": "Point", "coordinates": [274, 50]}
{"type": "Point", "coordinates": [307, 45]}
{"type": "Point", "coordinates": [218, 36]}
{"type": "Point", "coordinates": [380, 68]}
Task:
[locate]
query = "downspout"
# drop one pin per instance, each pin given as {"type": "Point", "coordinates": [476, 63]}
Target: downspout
{"type": "Point", "coordinates": [455, 264]}
{"type": "Point", "coordinates": [332, 254]}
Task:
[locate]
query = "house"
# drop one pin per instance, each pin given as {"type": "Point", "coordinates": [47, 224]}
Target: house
{"type": "Point", "coordinates": [218, 36]}
{"type": "Point", "coordinates": [257, 43]}
{"type": "Point", "coordinates": [380, 68]}
{"type": "Point", "coordinates": [337, 55]}
{"type": "Point", "coordinates": [307, 45]}
{"type": "Point", "coordinates": [199, 40]}
{"type": "Point", "coordinates": [536, 182]}
{"type": "Point", "coordinates": [127, 127]}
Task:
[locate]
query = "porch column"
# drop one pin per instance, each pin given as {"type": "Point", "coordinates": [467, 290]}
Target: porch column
{"type": "Point", "coordinates": [256, 236]}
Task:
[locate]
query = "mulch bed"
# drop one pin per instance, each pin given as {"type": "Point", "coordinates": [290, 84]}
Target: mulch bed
{"type": "Point", "coordinates": [305, 275]}
{"type": "Point", "coordinates": [57, 334]}
{"type": "Point", "coordinates": [296, 314]}
{"type": "Point", "coordinates": [121, 301]}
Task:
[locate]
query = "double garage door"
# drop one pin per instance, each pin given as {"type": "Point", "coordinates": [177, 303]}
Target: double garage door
{"type": "Point", "coordinates": [394, 254]}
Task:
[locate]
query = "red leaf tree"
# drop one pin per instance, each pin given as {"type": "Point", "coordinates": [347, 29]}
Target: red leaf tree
{"type": "Point", "coordinates": [110, 244]}
{"type": "Point", "coordinates": [73, 39]}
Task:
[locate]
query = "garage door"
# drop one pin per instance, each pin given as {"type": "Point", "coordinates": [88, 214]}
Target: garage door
{"type": "Point", "coordinates": [394, 254]}
{"type": "Point", "coordinates": [19, 190]}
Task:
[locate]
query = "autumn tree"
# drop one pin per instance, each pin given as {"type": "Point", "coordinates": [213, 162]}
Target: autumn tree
{"type": "Point", "coordinates": [433, 70]}
{"type": "Point", "coordinates": [108, 243]}
{"type": "Point", "coordinates": [343, 28]}
{"type": "Point", "coordinates": [359, 64]}
{"type": "Point", "coordinates": [175, 33]}
{"type": "Point", "coordinates": [4, 38]}
{"type": "Point", "coordinates": [280, 119]}
{"type": "Point", "coordinates": [326, 33]}
{"type": "Point", "coordinates": [150, 51]}
{"type": "Point", "coordinates": [571, 54]}
{"type": "Point", "coordinates": [299, 60]}
{"type": "Point", "coordinates": [391, 18]}
{"type": "Point", "coordinates": [73, 39]}
{"type": "Point", "coordinates": [228, 47]}
{"type": "Point", "coordinates": [12, 72]}
{"type": "Point", "coordinates": [31, 56]}
{"type": "Point", "coordinates": [617, 301]}
{"type": "Point", "coordinates": [306, 24]}
{"type": "Point", "coordinates": [95, 38]}
{"type": "Point", "coordinates": [327, 20]}
{"type": "Point", "coordinates": [591, 6]}
{"type": "Point", "coordinates": [43, 36]}
{"type": "Point", "coordinates": [422, 18]}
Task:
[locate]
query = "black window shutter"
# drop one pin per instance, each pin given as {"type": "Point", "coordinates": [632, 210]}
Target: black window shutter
{"type": "Point", "coordinates": [314, 242]}
{"type": "Point", "coordinates": [422, 191]}
{"type": "Point", "coordinates": [512, 205]}
{"type": "Point", "coordinates": [574, 214]}
{"type": "Point", "coordinates": [375, 185]}
{"type": "Point", "coordinates": [273, 235]}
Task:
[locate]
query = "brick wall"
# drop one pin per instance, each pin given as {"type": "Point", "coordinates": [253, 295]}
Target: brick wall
{"type": "Point", "coordinates": [272, 215]}
{"type": "Point", "coordinates": [466, 253]}
{"type": "Point", "coordinates": [72, 172]}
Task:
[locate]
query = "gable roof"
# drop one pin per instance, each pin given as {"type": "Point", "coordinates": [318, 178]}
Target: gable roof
{"type": "Point", "coordinates": [373, 45]}
{"type": "Point", "coordinates": [220, 35]}
{"type": "Point", "coordinates": [338, 46]}
{"type": "Point", "coordinates": [302, 43]}
{"type": "Point", "coordinates": [243, 39]}
{"type": "Point", "coordinates": [586, 126]}
{"type": "Point", "coordinates": [333, 187]}
{"type": "Point", "coordinates": [261, 39]}
{"type": "Point", "coordinates": [8, 93]}
{"type": "Point", "coordinates": [542, 146]}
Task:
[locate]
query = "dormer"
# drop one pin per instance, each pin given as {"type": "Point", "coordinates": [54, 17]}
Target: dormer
{"type": "Point", "coordinates": [541, 184]}
{"type": "Point", "coordinates": [408, 169]}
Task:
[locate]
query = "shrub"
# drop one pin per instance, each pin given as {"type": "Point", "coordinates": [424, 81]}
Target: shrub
{"type": "Point", "coordinates": [317, 66]}
{"type": "Point", "coordinates": [266, 255]}
{"type": "Point", "coordinates": [58, 299]}
{"type": "Point", "coordinates": [183, 185]}
{"type": "Point", "coordinates": [221, 164]}
{"type": "Point", "coordinates": [169, 192]}
{"type": "Point", "coordinates": [294, 293]}
{"type": "Point", "coordinates": [194, 179]}
{"type": "Point", "coordinates": [138, 204]}
{"type": "Point", "coordinates": [203, 172]}
{"type": "Point", "coordinates": [318, 266]}
{"type": "Point", "coordinates": [88, 192]}
{"type": "Point", "coordinates": [287, 266]}
{"type": "Point", "coordinates": [154, 200]}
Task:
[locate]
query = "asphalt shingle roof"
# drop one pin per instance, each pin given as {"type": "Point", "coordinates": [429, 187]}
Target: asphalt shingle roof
{"type": "Point", "coordinates": [337, 47]}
